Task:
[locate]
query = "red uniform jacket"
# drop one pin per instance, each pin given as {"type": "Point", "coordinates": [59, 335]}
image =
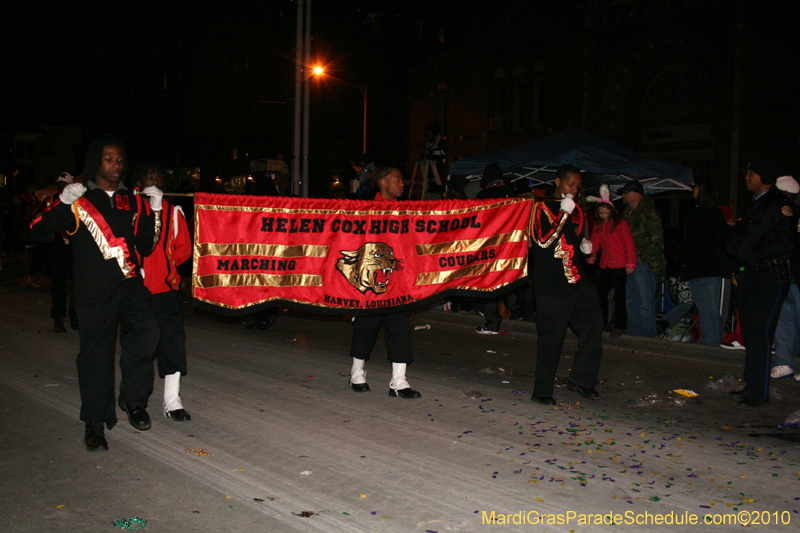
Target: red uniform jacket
{"type": "Point", "coordinates": [174, 247]}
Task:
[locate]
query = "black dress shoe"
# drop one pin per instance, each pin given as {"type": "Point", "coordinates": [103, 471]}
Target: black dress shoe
{"type": "Point", "coordinates": [586, 392]}
{"type": "Point", "coordinates": [737, 394]}
{"type": "Point", "coordinates": [58, 325]}
{"type": "Point", "coordinates": [751, 401]}
{"type": "Point", "coordinates": [359, 387]}
{"type": "Point", "coordinates": [137, 416]}
{"type": "Point", "coordinates": [406, 394]}
{"type": "Point", "coordinates": [178, 415]}
{"type": "Point", "coordinates": [544, 400]}
{"type": "Point", "coordinates": [94, 438]}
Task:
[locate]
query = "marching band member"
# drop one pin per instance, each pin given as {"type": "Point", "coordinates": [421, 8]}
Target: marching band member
{"type": "Point", "coordinates": [110, 227]}
{"type": "Point", "coordinates": [563, 296]}
{"type": "Point", "coordinates": [396, 326]}
{"type": "Point", "coordinates": [164, 283]}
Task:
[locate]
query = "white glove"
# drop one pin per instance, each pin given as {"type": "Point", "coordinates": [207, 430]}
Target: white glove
{"type": "Point", "coordinates": [568, 204]}
{"type": "Point", "coordinates": [155, 195]}
{"type": "Point", "coordinates": [72, 192]}
{"type": "Point", "coordinates": [586, 246]}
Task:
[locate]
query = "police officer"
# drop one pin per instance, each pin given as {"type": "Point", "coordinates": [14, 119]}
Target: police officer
{"type": "Point", "coordinates": [761, 242]}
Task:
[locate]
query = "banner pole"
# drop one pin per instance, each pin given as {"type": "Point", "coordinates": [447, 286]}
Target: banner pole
{"type": "Point", "coordinates": [184, 194]}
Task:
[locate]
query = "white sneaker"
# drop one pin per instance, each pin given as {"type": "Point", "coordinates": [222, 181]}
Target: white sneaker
{"type": "Point", "coordinates": [733, 345]}
{"type": "Point", "coordinates": [483, 330]}
{"type": "Point", "coordinates": [781, 371]}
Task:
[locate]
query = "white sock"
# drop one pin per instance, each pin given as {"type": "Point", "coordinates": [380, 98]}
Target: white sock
{"type": "Point", "coordinates": [172, 391]}
{"type": "Point", "coordinates": [399, 377]}
{"type": "Point", "coordinates": [358, 376]}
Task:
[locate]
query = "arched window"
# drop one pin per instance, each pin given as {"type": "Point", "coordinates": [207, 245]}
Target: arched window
{"type": "Point", "coordinates": [518, 94]}
{"type": "Point", "coordinates": [681, 91]}
{"type": "Point", "coordinates": [498, 100]}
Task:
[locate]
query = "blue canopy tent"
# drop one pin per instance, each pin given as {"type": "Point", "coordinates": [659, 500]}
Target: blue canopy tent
{"type": "Point", "coordinates": [606, 161]}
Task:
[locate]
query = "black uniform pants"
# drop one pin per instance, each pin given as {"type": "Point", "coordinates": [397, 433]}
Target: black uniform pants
{"type": "Point", "coordinates": [59, 259]}
{"type": "Point", "coordinates": [613, 278]}
{"type": "Point", "coordinates": [396, 334]}
{"type": "Point", "coordinates": [171, 351]}
{"type": "Point", "coordinates": [555, 313]}
{"type": "Point", "coordinates": [760, 299]}
{"type": "Point", "coordinates": [128, 302]}
{"type": "Point", "coordinates": [491, 312]}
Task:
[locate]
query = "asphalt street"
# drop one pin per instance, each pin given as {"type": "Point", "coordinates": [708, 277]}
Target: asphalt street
{"type": "Point", "coordinates": [279, 443]}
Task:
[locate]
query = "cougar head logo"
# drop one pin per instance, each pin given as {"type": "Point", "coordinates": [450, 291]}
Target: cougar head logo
{"type": "Point", "coordinates": [368, 268]}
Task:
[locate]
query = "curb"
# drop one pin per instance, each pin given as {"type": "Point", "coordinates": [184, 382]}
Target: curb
{"type": "Point", "coordinates": [661, 347]}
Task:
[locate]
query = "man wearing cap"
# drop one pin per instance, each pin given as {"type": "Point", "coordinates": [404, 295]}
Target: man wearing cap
{"type": "Point", "coordinates": [762, 240]}
{"type": "Point", "coordinates": [648, 237]}
{"type": "Point", "coordinates": [787, 332]}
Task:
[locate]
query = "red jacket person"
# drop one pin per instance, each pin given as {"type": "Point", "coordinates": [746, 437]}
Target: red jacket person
{"type": "Point", "coordinates": [163, 281]}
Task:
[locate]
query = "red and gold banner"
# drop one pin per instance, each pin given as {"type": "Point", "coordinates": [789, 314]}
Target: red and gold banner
{"type": "Point", "coordinates": [352, 256]}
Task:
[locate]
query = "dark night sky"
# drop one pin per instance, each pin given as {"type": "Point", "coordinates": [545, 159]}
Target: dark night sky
{"type": "Point", "coordinates": [99, 66]}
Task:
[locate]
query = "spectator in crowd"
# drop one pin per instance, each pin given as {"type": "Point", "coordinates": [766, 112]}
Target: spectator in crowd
{"type": "Point", "coordinates": [787, 332]}
{"type": "Point", "coordinates": [435, 150]}
{"type": "Point", "coordinates": [365, 177]}
{"type": "Point", "coordinates": [613, 243]}
{"type": "Point", "coordinates": [648, 237]}
{"type": "Point", "coordinates": [702, 256]}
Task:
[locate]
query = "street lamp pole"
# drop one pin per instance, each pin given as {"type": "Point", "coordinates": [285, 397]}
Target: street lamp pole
{"type": "Point", "coordinates": [298, 95]}
{"type": "Point", "coordinates": [364, 143]}
{"type": "Point", "coordinates": [306, 99]}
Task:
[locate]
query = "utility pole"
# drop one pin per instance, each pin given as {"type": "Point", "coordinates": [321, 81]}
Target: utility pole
{"type": "Point", "coordinates": [364, 142]}
{"type": "Point", "coordinates": [306, 99]}
{"type": "Point", "coordinates": [297, 178]}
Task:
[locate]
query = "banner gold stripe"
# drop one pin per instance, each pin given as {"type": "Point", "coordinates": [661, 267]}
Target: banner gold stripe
{"type": "Point", "coordinates": [500, 265]}
{"type": "Point", "coordinates": [346, 212]}
{"type": "Point", "coordinates": [471, 245]}
{"type": "Point", "coordinates": [257, 280]}
{"type": "Point", "coordinates": [271, 250]}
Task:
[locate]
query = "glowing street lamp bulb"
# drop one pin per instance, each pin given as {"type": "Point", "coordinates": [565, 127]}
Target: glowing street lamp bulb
{"type": "Point", "coordinates": [318, 70]}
